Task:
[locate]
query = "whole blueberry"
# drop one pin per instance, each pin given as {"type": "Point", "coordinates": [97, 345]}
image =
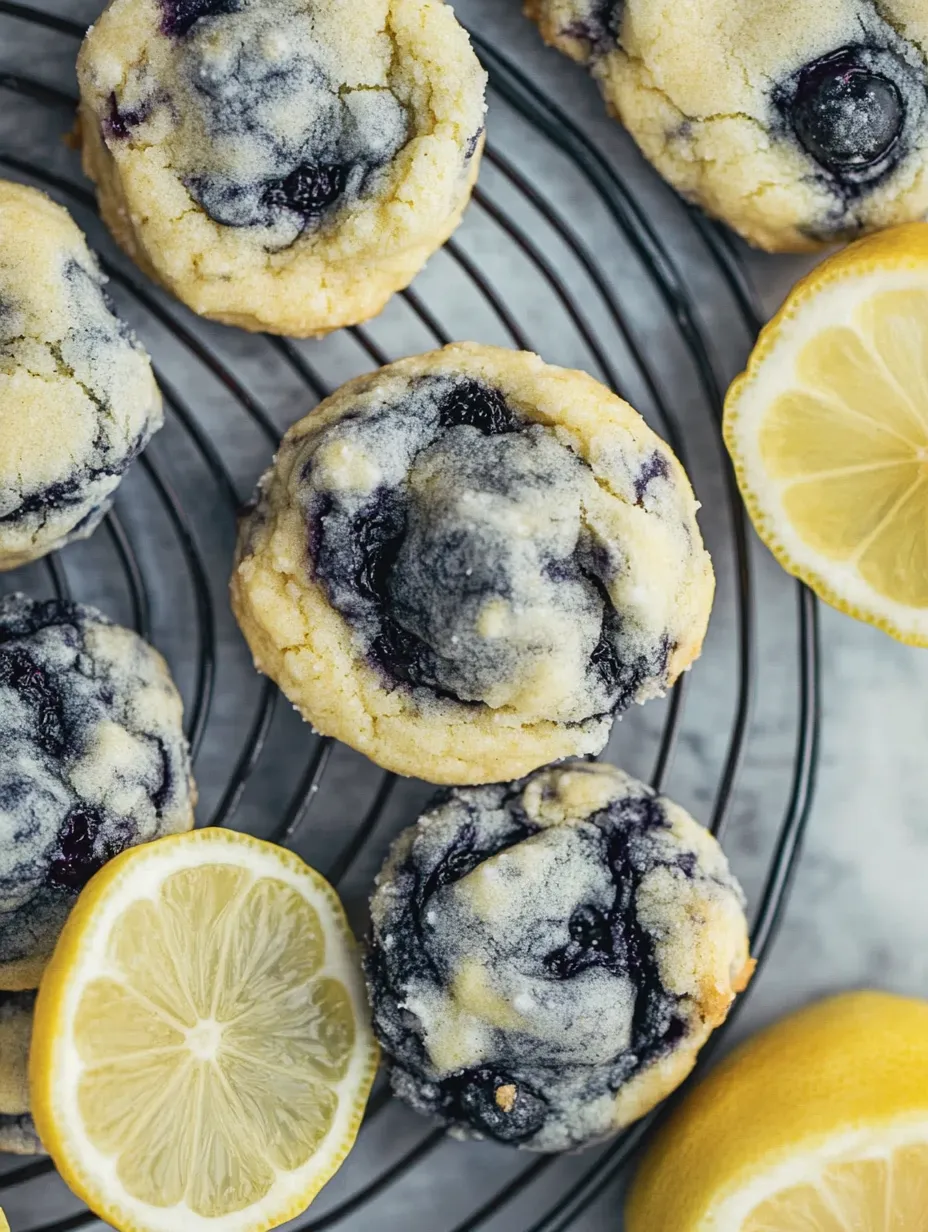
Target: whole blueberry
{"type": "Point", "coordinates": [846, 115]}
{"type": "Point", "coordinates": [478, 406]}
{"type": "Point", "coordinates": [600, 24]}
{"type": "Point", "coordinates": [309, 190]}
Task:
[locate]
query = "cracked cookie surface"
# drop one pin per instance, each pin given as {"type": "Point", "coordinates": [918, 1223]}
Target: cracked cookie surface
{"type": "Point", "coordinates": [78, 401]}
{"type": "Point", "coordinates": [468, 563]}
{"type": "Point", "coordinates": [281, 165]}
{"type": "Point", "coordinates": [94, 761]}
{"type": "Point", "coordinates": [798, 123]}
{"type": "Point", "coordinates": [548, 956]}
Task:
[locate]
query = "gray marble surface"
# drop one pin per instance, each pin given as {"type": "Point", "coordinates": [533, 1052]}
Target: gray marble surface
{"type": "Point", "coordinates": [857, 913]}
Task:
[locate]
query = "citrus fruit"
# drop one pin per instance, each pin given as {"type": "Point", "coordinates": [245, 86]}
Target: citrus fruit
{"type": "Point", "coordinates": [202, 1051]}
{"type": "Point", "coordinates": [828, 430]}
{"type": "Point", "coordinates": [4, 1226]}
{"type": "Point", "coordinates": [818, 1124]}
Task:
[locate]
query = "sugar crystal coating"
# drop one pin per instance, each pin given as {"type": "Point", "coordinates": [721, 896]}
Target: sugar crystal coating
{"type": "Point", "coordinates": [798, 123]}
{"type": "Point", "coordinates": [281, 164]}
{"type": "Point", "coordinates": [538, 948]}
{"type": "Point", "coordinates": [78, 401]}
{"type": "Point", "coordinates": [479, 561]}
{"type": "Point", "coordinates": [274, 140]}
{"type": "Point", "coordinates": [94, 761]}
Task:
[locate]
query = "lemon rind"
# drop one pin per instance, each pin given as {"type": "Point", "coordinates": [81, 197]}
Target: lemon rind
{"type": "Point", "coordinates": [805, 1165]}
{"type": "Point", "coordinates": [54, 1056]}
{"type": "Point", "coordinates": [894, 258]}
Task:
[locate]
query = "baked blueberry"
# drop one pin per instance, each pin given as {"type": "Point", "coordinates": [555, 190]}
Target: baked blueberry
{"type": "Point", "coordinates": [798, 123]}
{"type": "Point", "coordinates": [847, 115]}
{"type": "Point", "coordinates": [456, 566]}
{"type": "Point", "coordinates": [94, 761]}
{"type": "Point", "coordinates": [17, 1131]}
{"type": "Point", "coordinates": [78, 401]}
{"type": "Point", "coordinates": [180, 15]}
{"type": "Point", "coordinates": [548, 956]}
{"type": "Point", "coordinates": [281, 164]}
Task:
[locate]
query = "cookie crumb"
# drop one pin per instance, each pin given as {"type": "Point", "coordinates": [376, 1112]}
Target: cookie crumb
{"type": "Point", "coordinates": [506, 1097]}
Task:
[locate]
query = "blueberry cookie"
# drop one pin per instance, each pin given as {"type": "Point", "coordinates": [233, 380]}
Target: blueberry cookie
{"type": "Point", "coordinates": [94, 761]}
{"type": "Point", "coordinates": [17, 1132]}
{"type": "Point", "coordinates": [77, 397]}
{"type": "Point", "coordinates": [467, 564]}
{"type": "Point", "coordinates": [548, 956]}
{"type": "Point", "coordinates": [797, 122]}
{"type": "Point", "coordinates": [282, 165]}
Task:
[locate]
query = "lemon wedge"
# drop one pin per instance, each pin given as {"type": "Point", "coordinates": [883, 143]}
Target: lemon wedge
{"type": "Point", "coordinates": [828, 430]}
{"type": "Point", "coordinates": [818, 1124]}
{"type": "Point", "coordinates": [202, 1051]}
{"type": "Point", "coordinates": [4, 1226]}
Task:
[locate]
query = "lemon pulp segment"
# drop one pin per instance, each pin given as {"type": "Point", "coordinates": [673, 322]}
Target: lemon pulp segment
{"type": "Point", "coordinates": [887, 1193]}
{"type": "Point", "coordinates": [201, 1049]}
{"type": "Point", "coordinates": [817, 1124]}
{"type": "Point", "coordinates": [828, 429]}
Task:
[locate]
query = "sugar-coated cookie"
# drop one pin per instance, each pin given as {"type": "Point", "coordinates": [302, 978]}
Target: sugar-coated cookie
{"type": "Point", "coordinates": [548, 956]}
{"type": "Point", "coordinates": [797, 122]}
{"type": "Point", "coordinates": [78, 401]}
{"type": "Point", "coordinates": [282, 165]}
{"type": "Point", "coordinates": [94, 761]}
{"type": "Point", "coordinates": [468, 563]}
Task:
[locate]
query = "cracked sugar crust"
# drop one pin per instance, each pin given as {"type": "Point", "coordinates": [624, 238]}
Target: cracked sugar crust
{"type": "Point", "coordinates": [798, 123]}
{"type": "Point", "coordinates": [78, 401]}
{"type": "Point", "coordinates": [95, 761]}
{"type": "Point", "coordinates": [548, 956]}
{"type": "Point", "coordinates": [281, 165]}
{"type": "Point", "coordinates": [17, 1130]}
{"type": "Point", "coordinates": [467, 564]}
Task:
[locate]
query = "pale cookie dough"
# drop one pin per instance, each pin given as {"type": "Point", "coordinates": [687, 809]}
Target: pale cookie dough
{"type": "Point", "coordinates": [78, 401]}
{"type": "Point", "coordinates": [468, 563]}
{"type": "Point", "coordinates": [17, 1130]}
{"type": "Point", "coordinates": [548, 956]}
{"type": "Point", "coordinates": [94, 760]}
{"type": "Point", "coordinates": [797, 122]}
{"type": "Point", "coordinates": [282, 165]}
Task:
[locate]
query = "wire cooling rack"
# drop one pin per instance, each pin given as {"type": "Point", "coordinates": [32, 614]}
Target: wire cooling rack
{"type": "Point", "coordinates": [558, 255]}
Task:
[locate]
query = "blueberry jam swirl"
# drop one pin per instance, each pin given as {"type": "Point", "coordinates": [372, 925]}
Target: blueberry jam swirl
{"type": "Point", "coordinates": [516, 969]}
{"type": "Point", "coordinates": [452, 535]}
{"type": "Point", "coordinates": [597, 23]}
{"type": "Point", "coordinates": [270, 136]}
{"type": "Point", "coordinates": [94, 761]}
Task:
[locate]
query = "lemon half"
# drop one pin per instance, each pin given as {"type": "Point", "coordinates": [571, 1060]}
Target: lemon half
{"type": "Point", "coordinates": [819, 1124]}
{"type": "Point", "coordinates": [828, 430]}
{"type": "Point", "coordinates": [202, 1052]}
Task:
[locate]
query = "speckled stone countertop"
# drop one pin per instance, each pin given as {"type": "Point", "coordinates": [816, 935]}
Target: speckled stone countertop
{"type": "Point", "coordinates": [857, 913]}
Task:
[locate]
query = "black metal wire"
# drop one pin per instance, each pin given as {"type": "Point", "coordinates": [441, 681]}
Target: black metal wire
{"type": "Point", "coordinates": [648, 249]}
{"type": "Point", "coordinates": [138, 591]}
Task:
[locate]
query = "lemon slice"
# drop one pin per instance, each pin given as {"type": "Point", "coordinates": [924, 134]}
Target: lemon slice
{"type": "Point", "coordinates": [819, 1124]}
{"type": "Point", "coordinates": [828, 429]}
{"type": "Point", "coordinates": [202, 1051]}
{"type": "Point", "coordinates": [4, 1226]}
